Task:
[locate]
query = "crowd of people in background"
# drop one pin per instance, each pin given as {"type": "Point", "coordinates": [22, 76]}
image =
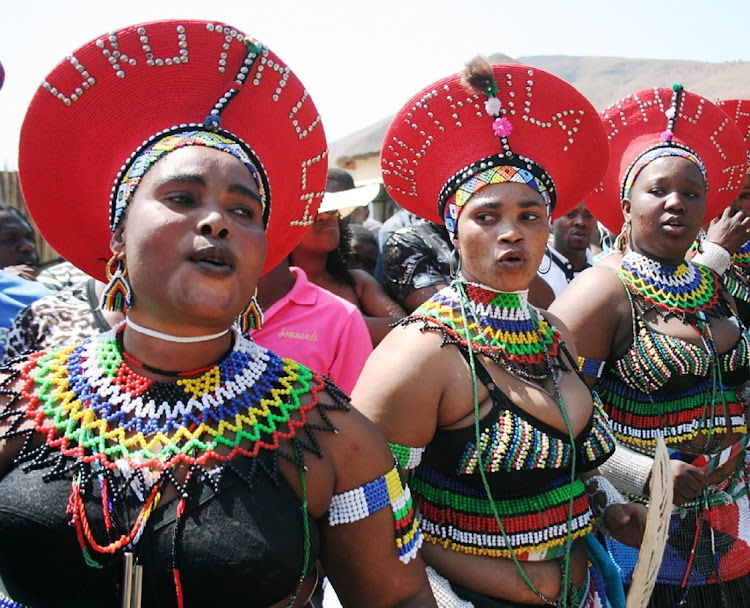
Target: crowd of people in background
{"type": "Point", "coordinates": [236, 380]}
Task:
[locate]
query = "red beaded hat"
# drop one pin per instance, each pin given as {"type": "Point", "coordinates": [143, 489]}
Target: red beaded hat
{"type": "Point", "coordinates": [527, 118]}
{"type": "Point", "coordinates": [668, 117]}
{"type": "Point", "coordinates": [113, 96]}
{"type": "Point", "coordinates": [739, 111]}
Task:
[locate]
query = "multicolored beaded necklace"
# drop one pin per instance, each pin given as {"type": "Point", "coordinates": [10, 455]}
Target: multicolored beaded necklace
{"type": "Point", "coordinates": [737, 276]}
{"type": "Point", "coordinates": [500, 325]}
{"type": "Point", "coordinates": [688, 291]}
{"type": "Point", "coordinates": [110, 428]}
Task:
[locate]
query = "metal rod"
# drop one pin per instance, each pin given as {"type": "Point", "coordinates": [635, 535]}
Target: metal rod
{"type": "Point", "coordinates": [137, 587]}
{"type": "Point", "coordinates": [127, 580]}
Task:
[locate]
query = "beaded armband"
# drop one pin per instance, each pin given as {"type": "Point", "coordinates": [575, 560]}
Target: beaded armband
{"type": "Point", "coordinates": [358, 503]}
{"type": "Point", "coordinates": [407, 458]}
{"type": "Point", "coordinates": [713, 256]}
{"type": "Point", "coordinates": [602, 494]}
{"type": "Point", "coordinates": [628, 470]}
{"type": "Point", "coordinates": [592, 368]}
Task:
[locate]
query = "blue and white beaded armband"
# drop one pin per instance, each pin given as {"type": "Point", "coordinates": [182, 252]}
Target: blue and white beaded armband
{"type": "Point", "coordinates": [358, 503]}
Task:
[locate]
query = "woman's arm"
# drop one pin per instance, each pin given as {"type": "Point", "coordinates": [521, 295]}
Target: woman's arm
{"type": "Point", "coordinates": [359, 541]}
{"type": "Point", "coordinates": [596, 311]}
{"type": "Point", "coordinates": [378, 309]}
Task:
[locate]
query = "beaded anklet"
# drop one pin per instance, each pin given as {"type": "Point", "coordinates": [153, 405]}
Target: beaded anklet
{"type": "Point", "coordinates": [358, 503]}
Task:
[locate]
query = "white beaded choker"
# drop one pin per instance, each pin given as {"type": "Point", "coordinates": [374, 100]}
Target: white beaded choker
{"type": "Point", "coordinates": [170, 338]}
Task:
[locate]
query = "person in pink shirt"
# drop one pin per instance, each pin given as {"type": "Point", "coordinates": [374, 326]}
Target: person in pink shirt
{"type": "Point", "coordinates": [321, 330]}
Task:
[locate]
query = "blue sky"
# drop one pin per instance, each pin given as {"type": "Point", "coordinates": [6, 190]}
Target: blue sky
{"type": "Point", "coordinates": [362, 60]}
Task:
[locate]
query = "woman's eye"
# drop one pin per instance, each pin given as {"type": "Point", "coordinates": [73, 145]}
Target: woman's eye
{"type": "Point", "coordinates": [180, 199]}
{"type": "Point", "coordinates": [243, 211]}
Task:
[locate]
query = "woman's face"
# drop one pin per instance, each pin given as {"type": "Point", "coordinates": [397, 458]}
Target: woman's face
{"type": "Point", "coordinates": [742, 202]}
{"type": "Point", "coordinates": [501, 234]}
{"type": "Point", "coordinates": [323, 235]}
{"type": "Point", "coordinates": [665, 209]}
{"type": "Point", "coordinates": [193, 241]}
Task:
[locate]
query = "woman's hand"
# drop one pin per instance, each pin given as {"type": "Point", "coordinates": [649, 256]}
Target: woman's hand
{"type": "Point", "coordinates": [688, 482]}
{"type": "Point", "coordinates": [730, 230]}
{"type": "Point", "coordinates": [626, 522]}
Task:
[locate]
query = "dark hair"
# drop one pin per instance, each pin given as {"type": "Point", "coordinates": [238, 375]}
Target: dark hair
{"type": "Point", "coordinates": [337, 258]}
{"type": "Point", "coordinates": [11, 209]}
{"type": "Point", "coordinates": [362, 234]}
{"type": "Point", "coordinates": [339, 180]}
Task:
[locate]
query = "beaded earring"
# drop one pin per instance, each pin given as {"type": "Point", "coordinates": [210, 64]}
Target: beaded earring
{"type": "Point", "coordinates": [252, 316]}
{"type": "Point", "coordinates": [622, 240]}
{"type": "Point", "coordinates": [117, 295]}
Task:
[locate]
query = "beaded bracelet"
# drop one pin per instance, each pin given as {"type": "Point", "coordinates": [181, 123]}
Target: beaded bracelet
{"type": "Point", "coordinates": [713, 256]}
{"type": "Point", "coordinates": [602, 494]}
{"type": "Point", "coordinates": [628, 470]}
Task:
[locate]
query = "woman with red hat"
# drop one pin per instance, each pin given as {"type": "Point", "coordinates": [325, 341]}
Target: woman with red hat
{"type": "Point", "coordinates": [171, 461]}
{"type": "Point", "coordinates": [660, 340]}
{"type": "Point", "coordinates": [477, 390]}
{"type": "Point", "coordinates": [725, 246]}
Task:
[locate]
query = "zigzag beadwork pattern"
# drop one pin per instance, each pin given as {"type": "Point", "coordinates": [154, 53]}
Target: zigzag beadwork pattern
{"type": "Point", "coordinates": [687, 288]}
{"type": "Point", "coordinates": [501, 326]}
{"type": "Point", "coordinates": [91, 406]}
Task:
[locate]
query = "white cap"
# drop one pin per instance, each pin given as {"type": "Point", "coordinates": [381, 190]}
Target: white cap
{"type": "Point", "coordinates": [347, 201]}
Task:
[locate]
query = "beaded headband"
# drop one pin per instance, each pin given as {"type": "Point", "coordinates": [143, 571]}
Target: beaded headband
{"type": "Point", "coordinates": [650, 155]}
{"type": "Point", "coordinates": [494, 175]}
{"type": "Point", "coordinates": [144, 159]}
{"type": "Point", "coordinates": [127, 92]}
{"type": "Point", "coordinates": [502, 115]}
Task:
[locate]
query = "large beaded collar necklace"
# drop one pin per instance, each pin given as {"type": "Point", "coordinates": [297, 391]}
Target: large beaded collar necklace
{"type": "Point", "coordinates": [501, 325]}
{"type": "Point", "coordinates": [687, 291]}
{"type": "Point", "coordinates": [120, 434]}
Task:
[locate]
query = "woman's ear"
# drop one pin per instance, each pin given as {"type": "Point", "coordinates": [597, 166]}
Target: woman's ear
{"type": "Point", "coordinates": [625, 205]}
{"type": "Point", "coordinates": [117, 242]}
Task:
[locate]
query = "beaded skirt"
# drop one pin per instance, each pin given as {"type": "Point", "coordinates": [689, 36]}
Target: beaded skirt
{"type": "Point", "coordinates": [708, 544]}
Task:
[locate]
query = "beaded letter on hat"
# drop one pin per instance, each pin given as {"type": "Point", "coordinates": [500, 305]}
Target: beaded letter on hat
{"type": "Point", "coordinates": [116, 95]}
{"type": "Point", "coordinates": [523, 117]}
{"type": "Point", "coordinates": [649, 123]}
{"type": "Point", "coordinates": [739, 111]}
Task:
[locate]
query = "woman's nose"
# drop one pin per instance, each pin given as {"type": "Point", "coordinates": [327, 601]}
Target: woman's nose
{"type": "Point", "coordinates": [508, 231]}
{"type": "Point", "coordinates": [214, 224]}
{"type": "Point", "coordinates": [674, 200]}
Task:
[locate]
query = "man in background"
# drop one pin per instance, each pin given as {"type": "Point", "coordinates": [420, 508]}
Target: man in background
{"type": "Point", "coordinates": [569, 252]}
